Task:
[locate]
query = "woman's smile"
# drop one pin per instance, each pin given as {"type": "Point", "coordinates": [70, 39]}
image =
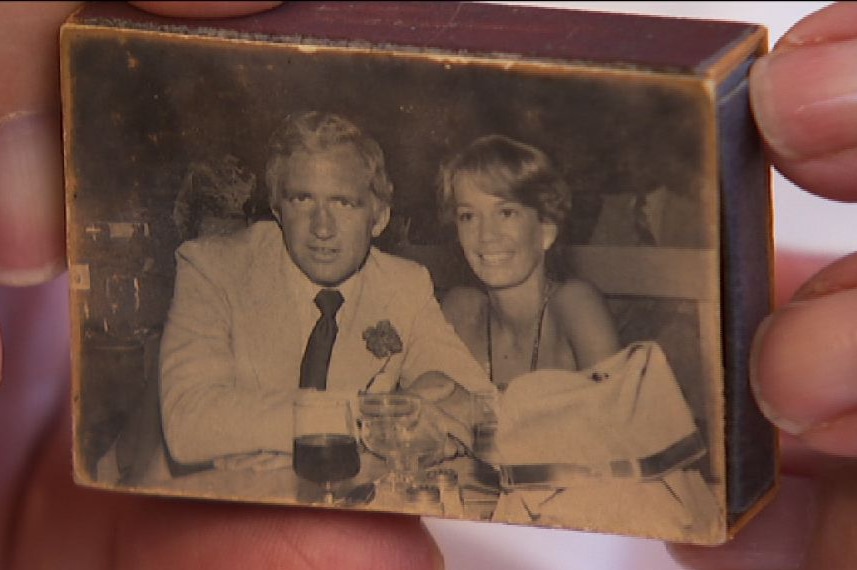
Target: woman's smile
{"type": "Point", "coordinates": [496, 258]}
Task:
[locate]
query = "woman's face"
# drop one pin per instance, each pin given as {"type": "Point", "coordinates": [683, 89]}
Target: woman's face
{"type": "Point", "coordinates": [503, 240]}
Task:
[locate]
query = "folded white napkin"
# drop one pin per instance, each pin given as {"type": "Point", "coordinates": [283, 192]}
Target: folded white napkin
{"type": "Point", "coordinates": [626, 408]}
{"type": "Point", "coordinates": [608, 448]}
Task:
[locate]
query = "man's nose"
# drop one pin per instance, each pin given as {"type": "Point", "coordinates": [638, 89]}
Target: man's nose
{"type": "Point", "coordinates": [323, 224]}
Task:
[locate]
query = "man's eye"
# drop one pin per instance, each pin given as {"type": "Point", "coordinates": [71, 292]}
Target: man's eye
{"type": "Point", "coordinates": [345, 203]}
{"type": "Point", "coordinates": [299, 199]}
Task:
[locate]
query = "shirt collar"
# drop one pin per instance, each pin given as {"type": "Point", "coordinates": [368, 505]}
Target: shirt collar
{"type": "Point", "coordinates": [307, 289]}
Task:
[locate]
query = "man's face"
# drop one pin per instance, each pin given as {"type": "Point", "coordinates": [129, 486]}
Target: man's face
{"type": "Point", "coordinates": [329, 214]}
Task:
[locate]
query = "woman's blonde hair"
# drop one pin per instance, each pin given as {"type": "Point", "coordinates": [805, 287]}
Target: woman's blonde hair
{"type": "Point", "coordinates": [516, 171]}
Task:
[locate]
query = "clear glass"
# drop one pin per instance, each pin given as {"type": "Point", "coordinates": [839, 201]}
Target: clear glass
{"type": "Point", "coordinates": [483, 420]}
{"type": "Point", "coordinates": [392, 426]}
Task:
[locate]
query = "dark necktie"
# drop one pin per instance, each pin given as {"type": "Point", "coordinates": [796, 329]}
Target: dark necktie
{"type": "Point", "coordinates": [320, 344]}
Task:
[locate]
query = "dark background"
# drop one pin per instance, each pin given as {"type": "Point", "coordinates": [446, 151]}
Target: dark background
{"type": "Point", "coordinates": [145, 108]}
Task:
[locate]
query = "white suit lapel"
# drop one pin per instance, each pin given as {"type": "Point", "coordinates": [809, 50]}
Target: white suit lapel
{"type": "Point", "coordinates": [352, 364]}
{"type": "Point", "coordinates": [274, 325]}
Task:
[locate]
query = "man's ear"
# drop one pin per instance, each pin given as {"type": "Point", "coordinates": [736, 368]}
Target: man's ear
{"type": "Point", "coordinates": [549, 234]}
{"type": "Point", "coordinates": [382, 218]}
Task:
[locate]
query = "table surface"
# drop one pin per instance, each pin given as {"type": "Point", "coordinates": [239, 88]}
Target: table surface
{"type": "Point", "coordinates": [281, 485]}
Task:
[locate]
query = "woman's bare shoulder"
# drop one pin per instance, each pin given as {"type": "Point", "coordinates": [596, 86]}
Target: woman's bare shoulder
{"type": "Point", "coordinates": [585, 320]}
{"type": "Point", "coordinates": [577, 302]}
{"type": "Point", "coordinates": [573, 292]}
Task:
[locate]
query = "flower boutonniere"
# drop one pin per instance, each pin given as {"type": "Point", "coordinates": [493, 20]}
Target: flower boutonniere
{"type": "Point", "coordinates": [383, 341]}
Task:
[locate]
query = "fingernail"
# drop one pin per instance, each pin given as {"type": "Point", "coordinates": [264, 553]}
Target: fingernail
{"type": "Point", "coordinates": [788, 426]}
{"type": "Point", "coordinates": [805, 99]}
{"type": "Point", "coordinates": [804, 365]}
{"type": "Point", "coordinates": [32, 235]}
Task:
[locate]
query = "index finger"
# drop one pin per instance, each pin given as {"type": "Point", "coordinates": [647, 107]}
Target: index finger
{"type": "Point", "coordinates": [31, 208]}
{"type": "Point", "coordinates": [804, 96]}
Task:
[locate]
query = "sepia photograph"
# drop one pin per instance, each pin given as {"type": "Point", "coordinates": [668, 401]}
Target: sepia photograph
{"type": "Point", "coordinates": [447, 285]}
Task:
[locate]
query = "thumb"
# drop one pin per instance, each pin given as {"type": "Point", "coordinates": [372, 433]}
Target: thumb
{"type": "Point", "coordinates": [805, 362]}
{"type": "Point", "coordinates": [32, 248]}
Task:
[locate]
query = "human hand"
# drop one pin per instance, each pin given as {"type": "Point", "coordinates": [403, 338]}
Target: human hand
{"type": "Point", "coordinates": [46, 521]}
{"type": "Point", "coordinates": [804, 96]}
{"type": "Point", "coordinates": [446, 404]}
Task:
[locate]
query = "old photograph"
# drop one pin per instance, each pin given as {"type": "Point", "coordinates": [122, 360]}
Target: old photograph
{"type": "Point", "coordinates": [444, 285]}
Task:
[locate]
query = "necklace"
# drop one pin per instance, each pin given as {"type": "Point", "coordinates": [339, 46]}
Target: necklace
{"type": "Point", "coordinates": [534, 357]}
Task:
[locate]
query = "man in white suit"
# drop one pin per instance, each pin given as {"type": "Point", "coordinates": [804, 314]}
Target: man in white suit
{"type": "Point", "coordinates": [245, 306]}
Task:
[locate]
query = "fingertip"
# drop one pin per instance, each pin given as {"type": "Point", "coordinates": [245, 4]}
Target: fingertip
{"type": "Point", "coordinates": [99, 529]}
{"type": "Point", "coordinates": [32, 215]}
{"type": "Point", "coordinates": [836, 22]}
{"type": "Point", "coordinates": [804, 97]}
{"type": "Point", "coordinates": [805, 370]}
{"type": "Point", "coordinates": [438, 562]}
{"type": "Point", "coordinates": [228, 536]}
{"type": "Point", "coordinates": [205, 9]}
{"type": "Point", "coordinates": [28, 277]}
{"type": "Point", "coordinates": [812, 117]}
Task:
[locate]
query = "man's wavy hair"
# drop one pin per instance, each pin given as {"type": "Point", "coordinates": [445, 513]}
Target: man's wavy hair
{"type": "Point", "coordinates": [316, 132]}
{"type": "Point", "coordinates": [516, 171]}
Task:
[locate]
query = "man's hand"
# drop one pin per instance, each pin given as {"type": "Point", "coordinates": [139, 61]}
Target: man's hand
{"type": "Point", "coordinates": [447, 405]}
